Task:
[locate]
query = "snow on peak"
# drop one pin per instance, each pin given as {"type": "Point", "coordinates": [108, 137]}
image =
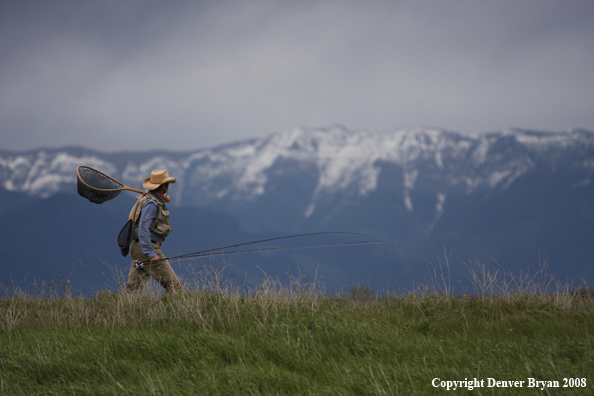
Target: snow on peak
{"type": "Point", "coordinates": [42, 173]}
{"type": "Point", "coordinates": [345, 161]}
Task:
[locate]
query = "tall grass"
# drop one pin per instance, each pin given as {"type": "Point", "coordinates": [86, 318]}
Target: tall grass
{"type": "Point", "coordinates": [292, 337]}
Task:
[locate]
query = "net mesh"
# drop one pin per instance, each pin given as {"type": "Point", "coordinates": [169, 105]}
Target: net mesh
{"type": "Point", "coordinates": [95, 186]}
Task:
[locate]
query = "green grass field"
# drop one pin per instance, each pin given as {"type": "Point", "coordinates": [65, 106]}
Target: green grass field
{"type": "Point", "coordinates": [293, 340]}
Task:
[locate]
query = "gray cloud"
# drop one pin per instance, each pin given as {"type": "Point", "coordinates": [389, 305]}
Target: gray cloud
{"type": "Point", "coordinates": [115, 75]}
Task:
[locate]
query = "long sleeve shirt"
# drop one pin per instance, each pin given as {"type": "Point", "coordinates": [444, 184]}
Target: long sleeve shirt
{"type": "Point", "coordinates": [143, 232]}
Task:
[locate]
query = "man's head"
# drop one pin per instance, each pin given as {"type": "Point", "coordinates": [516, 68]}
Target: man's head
{"type": "Point", "coordinates": [162, 189]}
{"type": "Point", "coordinates": [159, 178]}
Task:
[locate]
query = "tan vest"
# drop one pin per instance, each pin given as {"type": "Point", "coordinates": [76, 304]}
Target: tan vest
{"type": "Point", "coordinates": [160, 225]}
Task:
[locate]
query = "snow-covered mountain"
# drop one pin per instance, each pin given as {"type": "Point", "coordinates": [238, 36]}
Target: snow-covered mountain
{"type": "Point", "coordinates": [340, 161]}
{"type": "Point", "coordinates": [513, 196]}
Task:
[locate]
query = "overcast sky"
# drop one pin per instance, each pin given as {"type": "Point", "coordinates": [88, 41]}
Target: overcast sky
{"type": "Point", "coordinates": [114, 75]}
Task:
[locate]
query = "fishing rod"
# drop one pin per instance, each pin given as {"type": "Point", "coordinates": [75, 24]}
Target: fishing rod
{"type": "Point", "coordinates": [220, 251]}
{"type": "Point", "coordinates": [210, 251]}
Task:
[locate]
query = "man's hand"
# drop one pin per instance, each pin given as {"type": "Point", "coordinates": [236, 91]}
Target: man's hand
{"type": "Point", "coordinates": [156, 260]}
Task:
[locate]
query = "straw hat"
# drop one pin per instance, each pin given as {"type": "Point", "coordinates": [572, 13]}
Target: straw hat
{"type": "Point", "coordinates": [158, 177]}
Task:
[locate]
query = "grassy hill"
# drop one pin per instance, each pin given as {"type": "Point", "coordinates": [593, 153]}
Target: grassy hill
{"type": "Point", "coordinates": [291, 338]}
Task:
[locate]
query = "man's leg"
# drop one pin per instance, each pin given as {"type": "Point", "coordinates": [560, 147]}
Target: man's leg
{"type": "Point", "coordinates": [137, 277]}
{"type": "Point", "coordinates": [163, 272]}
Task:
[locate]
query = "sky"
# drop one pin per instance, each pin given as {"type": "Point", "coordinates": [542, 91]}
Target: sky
{"type": "Point", "coordinates": [117, 75]}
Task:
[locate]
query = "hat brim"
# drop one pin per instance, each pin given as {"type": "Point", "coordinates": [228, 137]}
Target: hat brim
{"type": "Point", "coordinates": [151, 186]}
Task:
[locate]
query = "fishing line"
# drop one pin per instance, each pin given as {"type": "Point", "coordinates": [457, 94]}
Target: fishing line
{"type": "Point", "coordinates": [207, 254]}
{"type": "Point", "coordinates": [210, 251]}
{"type": "Point", "coordinates": [221, 250]}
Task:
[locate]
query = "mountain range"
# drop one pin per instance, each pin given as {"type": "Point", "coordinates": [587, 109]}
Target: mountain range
{"type": "Point", "coordinates": [513, 199]}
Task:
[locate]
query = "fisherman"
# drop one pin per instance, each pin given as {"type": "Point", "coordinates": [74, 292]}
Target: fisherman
{"type": "Point", "coordinates": [152, 217]}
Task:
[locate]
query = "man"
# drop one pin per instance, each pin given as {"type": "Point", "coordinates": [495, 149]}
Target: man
{"type": "Point", "coordinates": [152, 217]}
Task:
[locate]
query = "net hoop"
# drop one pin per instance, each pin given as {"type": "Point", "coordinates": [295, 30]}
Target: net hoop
{"type": "Point", "coordinates": [102, 174]}
{"type": "Point", "coordinates": [123, 187]}
{"type": "Point", "coordinates": [98, 187]}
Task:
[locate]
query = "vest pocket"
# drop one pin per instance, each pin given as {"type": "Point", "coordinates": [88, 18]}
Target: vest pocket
{"type": "Point", "coordinates": [162, 229]}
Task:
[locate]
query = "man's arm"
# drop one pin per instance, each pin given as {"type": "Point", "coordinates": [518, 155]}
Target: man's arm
{"type": "Point", "coordinates": [149, 213]}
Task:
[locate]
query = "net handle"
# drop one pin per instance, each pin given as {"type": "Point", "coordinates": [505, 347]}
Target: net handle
{"type": "Point", "coordinates": [124, 187]}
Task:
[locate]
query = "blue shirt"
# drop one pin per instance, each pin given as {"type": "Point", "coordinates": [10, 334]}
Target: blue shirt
{"type": "Point", "coordinates": [143, 232]}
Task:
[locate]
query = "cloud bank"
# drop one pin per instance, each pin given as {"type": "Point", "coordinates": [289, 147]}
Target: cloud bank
{"type": "Point", "coordinates": [115, 75]}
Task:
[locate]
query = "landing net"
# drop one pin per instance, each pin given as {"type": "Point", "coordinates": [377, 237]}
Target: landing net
{"type": "Point", "coordinates": [96, 186]}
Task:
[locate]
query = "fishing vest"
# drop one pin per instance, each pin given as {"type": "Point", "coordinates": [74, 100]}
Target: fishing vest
{"type": "Point", "coordinates": [160, 225]}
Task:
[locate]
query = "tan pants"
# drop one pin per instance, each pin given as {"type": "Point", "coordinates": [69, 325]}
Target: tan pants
{"type": "Point", "coordinates": [162, 272]}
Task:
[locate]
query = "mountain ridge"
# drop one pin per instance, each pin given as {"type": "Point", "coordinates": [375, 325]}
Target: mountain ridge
{"type": "Point", "coordinates": [344, 159]}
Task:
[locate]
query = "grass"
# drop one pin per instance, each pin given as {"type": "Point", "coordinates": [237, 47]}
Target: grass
{"type": "Point", "coordinates": [294, 339]}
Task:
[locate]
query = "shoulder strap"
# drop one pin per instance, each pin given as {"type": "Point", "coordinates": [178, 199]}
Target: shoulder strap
{"type": "Point", "coordinates": [140, 202]}
{"type": "Point", "coordinates": [133, 212]}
